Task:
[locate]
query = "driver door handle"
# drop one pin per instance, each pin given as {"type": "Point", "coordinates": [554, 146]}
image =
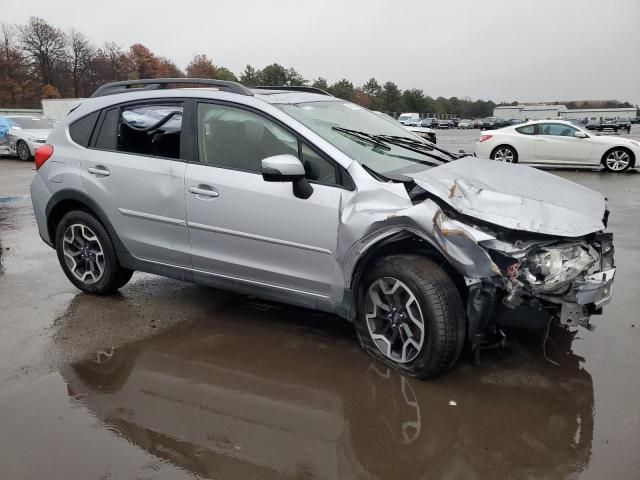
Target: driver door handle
{"type": "Point", "coordinates": [204, 190]}
{"type": "Point", "coordinates": [99, 170]}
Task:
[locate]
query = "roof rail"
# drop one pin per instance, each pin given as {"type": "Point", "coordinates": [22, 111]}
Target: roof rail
{"type": "Point", "coordinates": [162, 83]}
{"type": "Point", "coordinates": [294, 88]}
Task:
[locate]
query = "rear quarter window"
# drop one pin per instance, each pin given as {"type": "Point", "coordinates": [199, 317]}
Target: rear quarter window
{"type": "Point", "coordinates": [527, 130]}
{"type": "Point", "coordinates": [80, 131]}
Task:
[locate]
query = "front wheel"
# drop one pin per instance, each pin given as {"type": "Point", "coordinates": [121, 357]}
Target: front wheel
{"type": "Point", "coordinates": [22, 150]}
{"type": "Point", "coordinates": [505, 153]}
{"type": "Point", "coordinates": [617, 160]}
{"type": "Point", "coordinates": [87, 256]}
{"type": "Point", "coordinates": [410, 316]}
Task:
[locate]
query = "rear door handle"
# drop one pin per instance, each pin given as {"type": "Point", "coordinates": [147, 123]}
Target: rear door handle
{"type": "Point", "coordinates": [204, 190]}
{"type": "Point", "coordinates": [99, 170]}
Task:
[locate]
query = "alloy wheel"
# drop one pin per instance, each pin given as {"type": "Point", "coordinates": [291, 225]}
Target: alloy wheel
{"type": "Point", "coordinates": [394, 319]}
{"type": "Point", "coordinates": [504, 154]}
{"type": "Point", "coordinates": [618, 160]}
{"type": "Point", "coordinates": [83, 253]}
{"type": "Point", "coordinates": [23, 151]}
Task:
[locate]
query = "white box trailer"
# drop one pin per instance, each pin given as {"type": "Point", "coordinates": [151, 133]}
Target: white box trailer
{"type": "Point", "coordinates": [58, 108]}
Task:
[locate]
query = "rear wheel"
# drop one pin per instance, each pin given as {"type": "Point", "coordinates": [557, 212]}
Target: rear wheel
{"type": "Point", "coordinates": [505, 153]}
{"type": "Point", "coordinates": [410, 316]}
{"type": "Point", "coordinates": [22, 150]}
{"type": "Point", "coordinates": [87, 256]}
{"type": "Point", "coordinates": [617, 160]}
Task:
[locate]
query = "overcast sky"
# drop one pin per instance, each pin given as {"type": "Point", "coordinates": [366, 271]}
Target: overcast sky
{"type": "Point", "coordinates": [527, 50]}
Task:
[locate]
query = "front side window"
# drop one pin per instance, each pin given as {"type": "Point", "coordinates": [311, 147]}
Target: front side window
{"type": "Point", "coordinates": [316, 167]}
{"type": "Point", "coordinates": [557, 129]}
{"type": "Point", "coordinates": [231, 137]}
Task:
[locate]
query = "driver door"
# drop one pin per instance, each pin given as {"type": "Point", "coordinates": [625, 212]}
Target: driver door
{"type": "Point", "coordinates": [256, 232]}
{"type": "Point", "coordinates": [557, 142]}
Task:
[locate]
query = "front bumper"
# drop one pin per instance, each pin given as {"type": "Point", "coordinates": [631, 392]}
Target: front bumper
{"type": "Point", "coordinates": [529, 302]}
{"type": "Point", "coordinates": [33, 146]}
{"type": "Point", "coordinates": [587, 298]}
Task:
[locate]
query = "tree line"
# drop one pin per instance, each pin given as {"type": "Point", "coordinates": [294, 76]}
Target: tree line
{"type": "Point", "coordinates": [39, 60]}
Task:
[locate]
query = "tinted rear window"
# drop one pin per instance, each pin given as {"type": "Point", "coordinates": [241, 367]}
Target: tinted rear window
{"type": "Point", "coordinates": [82, 129]}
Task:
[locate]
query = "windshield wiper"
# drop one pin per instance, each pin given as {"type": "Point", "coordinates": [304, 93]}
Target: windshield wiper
{"type": "Point", "coordinates": [388, 178]}
{"type": "Point", "coordinates": [417, 146]}
{"type": "Point", "coordinates": [363, 136]}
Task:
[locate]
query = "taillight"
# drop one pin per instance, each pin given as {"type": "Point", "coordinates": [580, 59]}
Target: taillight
{"type": "Point", "coordinates": [43, 154]}
{"type": "Point", "coordinates": [485, 137]}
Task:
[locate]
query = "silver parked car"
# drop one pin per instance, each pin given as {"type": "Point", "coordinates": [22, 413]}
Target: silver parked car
{"type": "Point", "coordinates": [293, 195]}
{"type": "Point", "coordinates": [26, 133]}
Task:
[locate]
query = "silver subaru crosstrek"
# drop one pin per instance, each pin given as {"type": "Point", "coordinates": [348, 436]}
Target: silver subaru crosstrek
{"type": "Point", "coordinates": [290, 194]}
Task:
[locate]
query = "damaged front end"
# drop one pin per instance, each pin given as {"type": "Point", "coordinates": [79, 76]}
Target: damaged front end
{"type": "Point", "coordinates": [544, 280]}
{"type": "Point", "coordinates": [536, 279]}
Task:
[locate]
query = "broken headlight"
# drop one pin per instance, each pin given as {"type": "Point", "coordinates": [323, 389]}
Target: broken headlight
{"type": "Point", "coordinates": [552, 267]}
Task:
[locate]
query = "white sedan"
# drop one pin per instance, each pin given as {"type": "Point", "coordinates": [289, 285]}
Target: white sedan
{"type": "Point", "coordinates": [557, 142]}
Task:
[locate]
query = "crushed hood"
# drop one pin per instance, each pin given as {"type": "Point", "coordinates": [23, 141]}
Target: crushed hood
{"type": "Point", "coordinates": [515, 196]}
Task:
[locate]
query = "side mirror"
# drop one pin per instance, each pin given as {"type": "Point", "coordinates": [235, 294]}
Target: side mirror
{"type": "Point", "coordinates": [580, 134]}
{"type": "Point", "coordinates": [287, 168]}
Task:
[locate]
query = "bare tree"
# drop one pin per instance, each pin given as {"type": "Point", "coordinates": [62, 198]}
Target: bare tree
{"type": "Point", "coordinates": [45, 46]}
{"type": "Point", "coordinates": [13, 68]}
{"type": "Point", "coordinates": [81, 54]}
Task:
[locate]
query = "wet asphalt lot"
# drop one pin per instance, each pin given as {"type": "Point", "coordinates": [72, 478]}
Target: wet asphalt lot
{"type": "Point", "coordinates": [172, 380]}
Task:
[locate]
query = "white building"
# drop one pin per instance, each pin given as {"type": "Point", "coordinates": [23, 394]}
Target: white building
{"type": "Point", "coordinates": [542, 111]}
{"type": "Point", "coordinates": [597, 113]}
{"type": "Point", "coordinates": [529, 112]}
{"type": "Point", "coordinates": [507, 112]}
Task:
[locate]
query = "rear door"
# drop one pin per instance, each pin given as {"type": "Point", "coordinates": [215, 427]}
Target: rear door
{"type": "Point", "coordinates": [134, 171]}
{"type": "Point", "coordinates": [242, 227]}
{"type": "Point", "coordinates": [557, 143]}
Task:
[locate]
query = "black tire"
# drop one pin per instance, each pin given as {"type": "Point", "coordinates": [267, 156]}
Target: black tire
{"type": "Point", "coordinates": [441, 307]}
{"type": "Point", "coordinates": [113, 276]}
{"type": "Point", "coordinates": [23, 152]}
{"type": "Point", "coordinates": [499, 148]}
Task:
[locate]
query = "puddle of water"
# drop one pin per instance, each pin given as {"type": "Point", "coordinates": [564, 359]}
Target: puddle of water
{"type": "Point", "coordinates": [13, 199]}
{"type": "Point", "coordinates": [255, 392]}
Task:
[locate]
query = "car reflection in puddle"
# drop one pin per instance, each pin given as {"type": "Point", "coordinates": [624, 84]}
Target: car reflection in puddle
{"type": "Point", "coordinates": [251, 395]}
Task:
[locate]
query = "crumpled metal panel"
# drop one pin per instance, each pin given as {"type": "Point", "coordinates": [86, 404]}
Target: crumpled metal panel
{"type": "Point", "coordinates": [515, 197]}
{"type": "Point", "coordinates": [379, 211]}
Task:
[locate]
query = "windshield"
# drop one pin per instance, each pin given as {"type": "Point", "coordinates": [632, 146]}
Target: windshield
{"type": "Point", "coordinates": [30, 123]}
{"type": "Point", "coordinates": [330, 119]}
